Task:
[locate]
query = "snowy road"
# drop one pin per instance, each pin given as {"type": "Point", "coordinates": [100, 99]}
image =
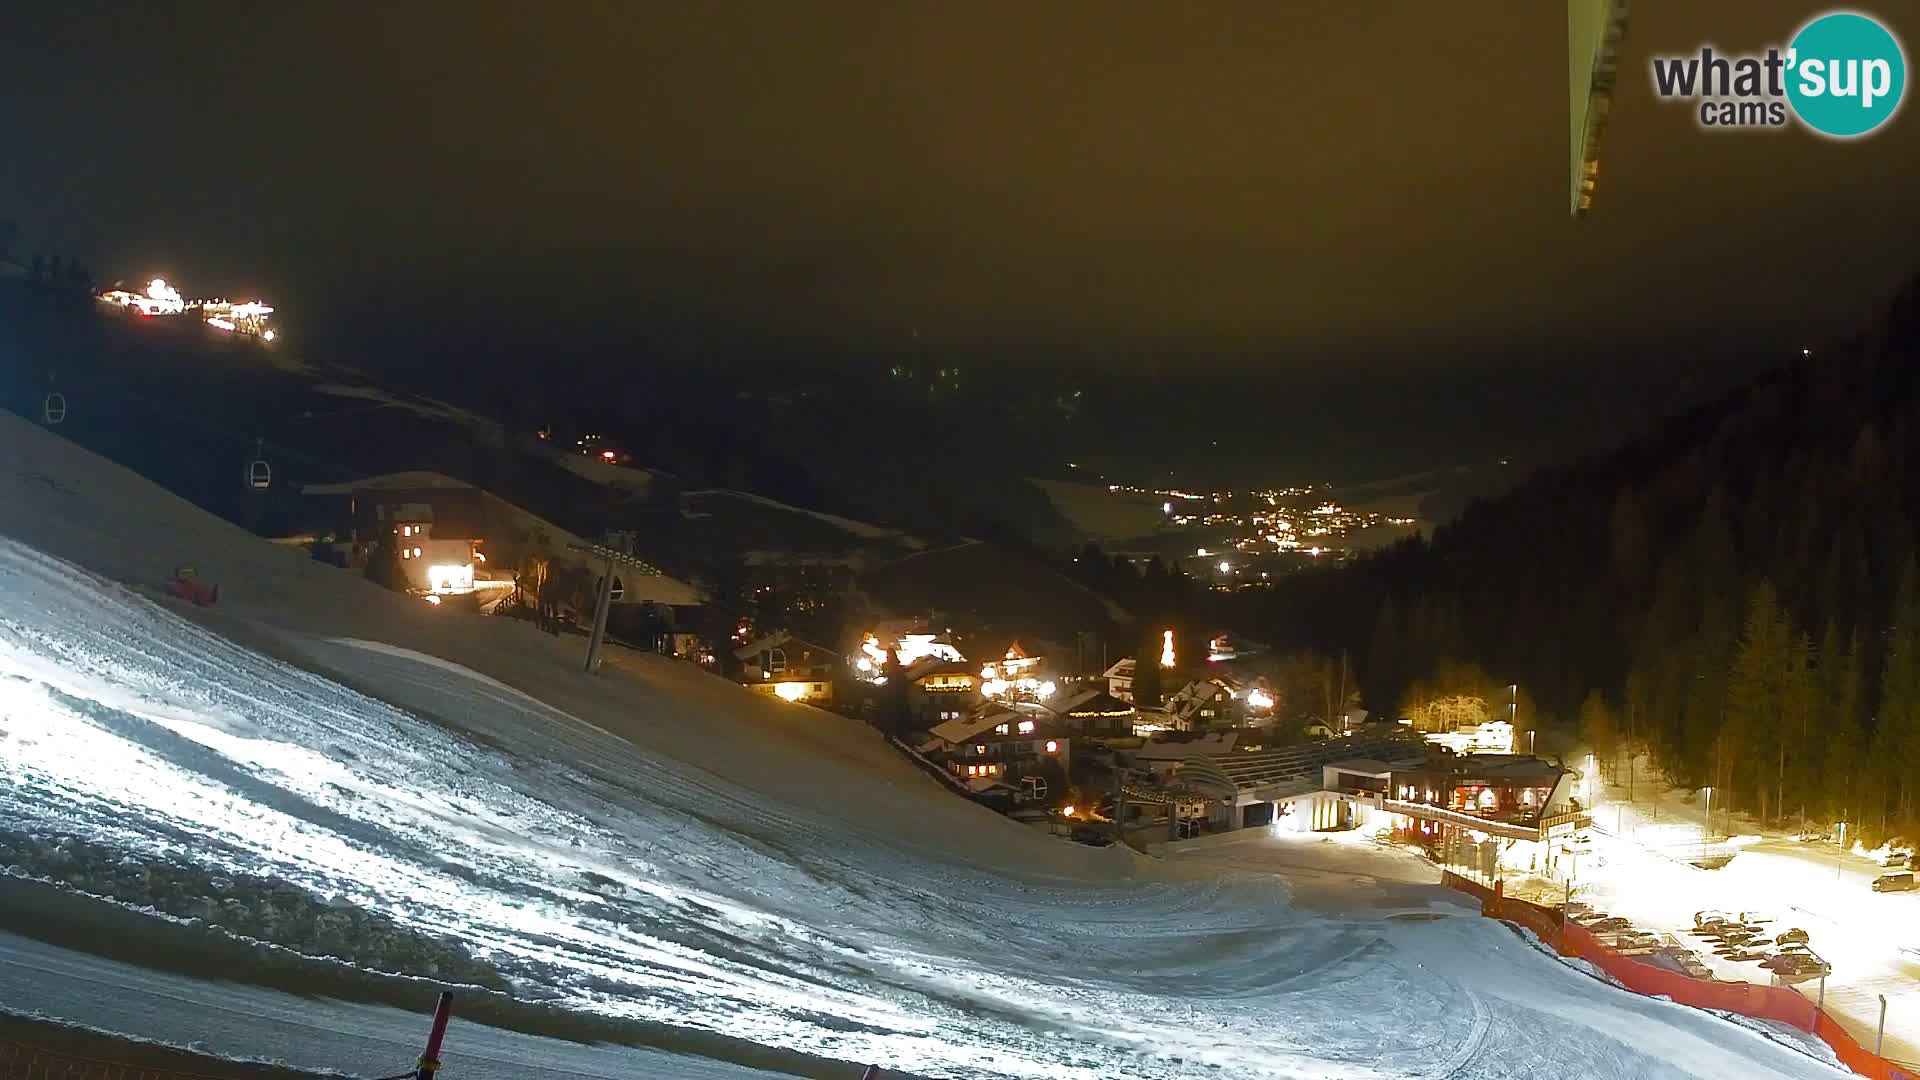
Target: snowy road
{"type": "Point", "coordinates": [694, 862]}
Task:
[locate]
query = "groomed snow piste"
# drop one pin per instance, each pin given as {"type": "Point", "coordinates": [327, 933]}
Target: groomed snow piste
{"type": "Point", "coordinates": [330, 763]}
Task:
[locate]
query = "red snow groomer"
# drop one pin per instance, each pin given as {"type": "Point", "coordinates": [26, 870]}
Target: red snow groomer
{"type": "Point", "coordinates": [185, 585]}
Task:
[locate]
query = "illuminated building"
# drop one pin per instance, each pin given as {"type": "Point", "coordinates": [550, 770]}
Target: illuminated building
{"type": "Point", "coordinates": [786, 667]}
{"type": "Point", "coordinates": [1094, 711]}
{"type": "Point", "coordinates": [249, 317]}
{"type": "Point", "coordinates": [158, 298]}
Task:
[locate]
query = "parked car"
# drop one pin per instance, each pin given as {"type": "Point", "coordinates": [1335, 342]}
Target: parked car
{"type": "Point", "coordinates": [1611, 922]}
{"type": "Point", "coordinates": [1792, 968]}
{"type": "Point", "coordinates": [1092, 837]}
{"type": "Point", "coordinates": [1895, 883]}
{"type": "Point", "coordinates": [1754, 918]}
{"type": "Point", "coordinates": [1706, 919]}
{"type": "Point", "coordinates": [1693, 967]}
{"type": "Point", "coordinates": [1901, 859]}
{"type": "Point", "coordinates": [1793, 935]}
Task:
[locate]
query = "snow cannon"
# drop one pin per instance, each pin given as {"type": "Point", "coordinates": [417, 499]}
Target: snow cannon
{"type": "Point", "coordinates": [185, 585]}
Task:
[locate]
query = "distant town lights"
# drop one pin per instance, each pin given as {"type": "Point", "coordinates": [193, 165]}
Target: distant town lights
{"type": "Point", "coordinates": [1226, 567]}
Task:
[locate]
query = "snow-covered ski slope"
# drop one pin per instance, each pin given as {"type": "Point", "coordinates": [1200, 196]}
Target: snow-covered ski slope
{"type": "Point", "coordinates": [656, 845]}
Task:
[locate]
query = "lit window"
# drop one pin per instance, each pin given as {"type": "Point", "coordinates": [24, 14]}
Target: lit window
{"type": "Point", "coordinates": [1001, 730]}
{"type": "Point", "coordinates": [1026, 727]}
{"type": "Point", "coordinates": [1052, 747]}
{"type": "Point", "coordinates": [980, 748]}
{"type": "Point", "coordinates": [416, 553]}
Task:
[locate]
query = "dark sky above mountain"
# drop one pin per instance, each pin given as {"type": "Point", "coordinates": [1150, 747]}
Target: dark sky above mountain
{"type": "Point", "coordinates": [1259, 185]}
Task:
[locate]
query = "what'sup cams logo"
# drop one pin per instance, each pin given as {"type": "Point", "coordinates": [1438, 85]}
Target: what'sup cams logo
{"type": "Point", "coordinates": [1843, 76]}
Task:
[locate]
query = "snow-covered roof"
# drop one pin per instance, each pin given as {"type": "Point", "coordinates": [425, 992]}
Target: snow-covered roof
{"type": "Point", "coordinates": [1121, 669]}
{"type": "Point", "coordinates": [1518, 767]}
{"type": "Point", "coordinates": [1205, 746]}
{"type": "Point", "coordinates": [955, 732]}
{"type": "Point", "coordinates": [400, 481]}
{"type": "Point", "coordinates": [759, 645]}
{"type": "Point", "coordinates": [1094, 700]}
{"type": "Point", "coordinates": [1368, 766]}
{"type": "Point", "coordinates": [933, 665]}
{"type": "Point", "coordinates": [1187, 701]}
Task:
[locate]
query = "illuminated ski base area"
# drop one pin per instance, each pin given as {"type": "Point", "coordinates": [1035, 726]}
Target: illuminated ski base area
{"type": "Point", "coordinates": [600, 877]}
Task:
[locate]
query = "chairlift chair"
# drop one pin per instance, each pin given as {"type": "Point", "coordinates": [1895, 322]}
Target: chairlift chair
{"type": "Point", "coordinates": [259, 474]}
{"type": "Point", "coordinates": [54, 409]}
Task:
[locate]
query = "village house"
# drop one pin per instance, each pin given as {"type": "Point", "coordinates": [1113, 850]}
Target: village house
{"type": "Point", "coordinates": [1095, 712]}
{"type": "Point", "coordinates": [1202, 704]}
{"type": "Point", "coordinates": [438, 533]}
{"type": "Point", "coordinates": [783, 666]}
{"type": "Point", "coordinates": [1120, 679]}
{"type": "Point", "coordinates": [1018, 676]}
{"type": "Point", "coordinates": [940, 690]}
{"type": "Point", "coordinates": [1001, 745]}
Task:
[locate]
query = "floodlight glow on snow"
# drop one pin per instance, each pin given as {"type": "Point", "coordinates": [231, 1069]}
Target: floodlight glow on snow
{"type": "Point", "coordinates": [450, 579]}
{"type": "Point", "coordinates": [661, 902]}
{"type": "Point", "coordinates": [790, 691]}
{"type": "Point", "coordinates": [1258, 699]}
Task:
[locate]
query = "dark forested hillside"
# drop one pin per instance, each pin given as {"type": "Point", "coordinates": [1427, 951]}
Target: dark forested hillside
{"type": "Point", "coordinates": [1737, 591]}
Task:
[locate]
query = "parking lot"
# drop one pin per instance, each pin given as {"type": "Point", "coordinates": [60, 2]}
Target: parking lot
{"type": "Point", "coordinates": [1628, 869]}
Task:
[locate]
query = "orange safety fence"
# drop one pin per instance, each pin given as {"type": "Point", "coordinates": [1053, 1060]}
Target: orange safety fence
{"type": "Point", "coordinates": [1776, 1003]}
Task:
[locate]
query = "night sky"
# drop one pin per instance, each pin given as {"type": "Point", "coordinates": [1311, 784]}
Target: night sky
{"type": "Point", "coordinates": [1284, 188]}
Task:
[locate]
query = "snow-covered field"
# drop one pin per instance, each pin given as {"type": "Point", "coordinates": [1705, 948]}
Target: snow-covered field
{"type": "Point", "coordinates": [328, 767]}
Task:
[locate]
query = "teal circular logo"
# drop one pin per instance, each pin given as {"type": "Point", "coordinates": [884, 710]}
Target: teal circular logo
{"type": "Point", "coordinates": [1845, 74]}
